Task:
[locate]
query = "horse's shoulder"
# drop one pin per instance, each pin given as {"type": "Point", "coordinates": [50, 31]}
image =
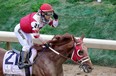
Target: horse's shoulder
{"type": "Point", "coordinates": [1, 49]}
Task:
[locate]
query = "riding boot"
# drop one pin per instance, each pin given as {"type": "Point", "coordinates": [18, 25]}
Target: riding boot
{"type": "Point", "coordinates": [24, 62]}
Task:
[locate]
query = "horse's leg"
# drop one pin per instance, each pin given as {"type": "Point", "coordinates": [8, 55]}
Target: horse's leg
{"type": "Point", "coordinates": [2, 52]}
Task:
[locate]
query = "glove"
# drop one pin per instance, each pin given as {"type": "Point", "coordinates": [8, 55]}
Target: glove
{"type": "Point", "coordinates": [46, 45]}
{"type": "Point", "coordinates": [55, 16]}
{"type": "Point", "coordinates": [36, 36]}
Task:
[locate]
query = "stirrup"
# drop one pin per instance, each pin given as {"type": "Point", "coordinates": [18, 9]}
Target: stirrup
{"type": "Point", "coordinates": [24, 65]}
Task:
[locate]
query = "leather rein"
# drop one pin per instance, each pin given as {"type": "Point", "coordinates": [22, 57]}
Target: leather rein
{"type": "Point", "coordinates": [62, 54]}
{"type": "Point", "coordinates": [76, 43]}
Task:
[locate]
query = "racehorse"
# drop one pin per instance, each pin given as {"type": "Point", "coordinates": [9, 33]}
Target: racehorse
{"type": "Point", "coordinates": [50, 57]}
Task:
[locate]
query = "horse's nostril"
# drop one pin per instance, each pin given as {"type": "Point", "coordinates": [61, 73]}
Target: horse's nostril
{"type": "Point", "coordinates": [86, 68]}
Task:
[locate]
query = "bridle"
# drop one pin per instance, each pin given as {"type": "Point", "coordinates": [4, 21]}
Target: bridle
{"type": "Point", "coordinates": [81, 61]}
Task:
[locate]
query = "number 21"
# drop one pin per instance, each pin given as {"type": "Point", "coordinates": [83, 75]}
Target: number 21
{"type": "Point", "coordinates": [7, 61]}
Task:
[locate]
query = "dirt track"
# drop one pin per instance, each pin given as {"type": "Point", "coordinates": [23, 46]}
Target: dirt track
{"type": "Point", "coordinates": [73, 70]}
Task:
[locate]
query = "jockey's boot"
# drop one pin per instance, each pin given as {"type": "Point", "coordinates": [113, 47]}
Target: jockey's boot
{"type": "Point", "coordinates": [24, 61]}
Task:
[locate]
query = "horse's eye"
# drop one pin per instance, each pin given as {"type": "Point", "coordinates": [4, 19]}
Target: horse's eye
{"type": "Point", "coordinates": [81, 52]}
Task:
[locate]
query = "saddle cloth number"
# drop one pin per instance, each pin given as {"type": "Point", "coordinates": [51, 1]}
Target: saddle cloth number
{"type": "Point", "coordinates": [10, 57]}
{"type": "Point", "coordinates": [10, 64]}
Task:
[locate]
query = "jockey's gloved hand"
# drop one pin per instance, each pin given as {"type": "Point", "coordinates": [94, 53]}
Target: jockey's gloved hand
{"type": "Point", "coordinates": [46, 45]}
{"type": "Point", "coordinates": [55, 16]}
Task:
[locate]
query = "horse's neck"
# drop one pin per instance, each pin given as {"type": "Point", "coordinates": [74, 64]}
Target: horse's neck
{"type": "Point", "coordinates": [57, 46]}
{"type": "Point", "coordinates": [49, 63]}
{"type": "Point", "coordinates": [63, 50]}
{"type": "Point", "coordinates": [57, 59]}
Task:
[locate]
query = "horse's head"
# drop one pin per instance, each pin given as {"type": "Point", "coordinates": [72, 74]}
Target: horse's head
{"type": "Point", "coordinates": [68, 47]}
{"type": "Point", "coordinates": [81, 56]}
{"type": "Point", "coordinates": [74, 49]}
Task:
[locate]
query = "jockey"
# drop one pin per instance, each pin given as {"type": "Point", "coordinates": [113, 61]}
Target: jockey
{"type": "Point", "coordinates": [32, 24]}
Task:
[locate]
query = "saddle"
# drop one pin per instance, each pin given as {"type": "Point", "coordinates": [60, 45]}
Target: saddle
{"type": "Point", "coordinates": [11, 64]}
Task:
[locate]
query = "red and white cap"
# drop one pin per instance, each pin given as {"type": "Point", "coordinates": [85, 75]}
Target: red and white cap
{"type": "Point", "coordinates": [46, 7]}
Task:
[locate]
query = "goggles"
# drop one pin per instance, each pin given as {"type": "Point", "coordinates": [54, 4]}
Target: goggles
{"type": "Point", "coordinates": [48, 13]}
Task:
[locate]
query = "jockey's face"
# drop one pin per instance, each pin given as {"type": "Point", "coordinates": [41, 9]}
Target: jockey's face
{"type": "Point", "coordinates": [48, 15]}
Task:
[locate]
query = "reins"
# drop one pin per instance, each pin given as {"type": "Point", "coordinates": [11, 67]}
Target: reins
{"type": "Point", "coordinates": [56, 52]}
{"type": "Point", "coordinates": [77, 62]}
{"type": "Point", "coordinates": [60, 53]}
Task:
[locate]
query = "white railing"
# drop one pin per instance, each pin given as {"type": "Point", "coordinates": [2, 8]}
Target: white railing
{"type": "Point", "coordinates": [90, 43]}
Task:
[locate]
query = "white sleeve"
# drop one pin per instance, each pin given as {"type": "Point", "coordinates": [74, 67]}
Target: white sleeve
{"type": "Point", "coordinates": [55, 23]}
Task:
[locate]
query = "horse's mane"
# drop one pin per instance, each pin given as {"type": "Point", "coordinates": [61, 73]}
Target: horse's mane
{"type": "Point", "coordinates": [57, 40]}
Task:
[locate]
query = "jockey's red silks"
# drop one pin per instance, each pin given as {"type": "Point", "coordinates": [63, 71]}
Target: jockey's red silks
{"type": "Point", "coordinates": [25, 23]}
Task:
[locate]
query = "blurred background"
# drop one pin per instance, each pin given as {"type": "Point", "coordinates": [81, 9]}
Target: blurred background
{"type": "Point", "coordinates": [89, 17]}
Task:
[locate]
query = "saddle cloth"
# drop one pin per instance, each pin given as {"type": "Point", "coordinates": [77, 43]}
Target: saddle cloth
{"type": "Point", "coordinates": [10, 64]}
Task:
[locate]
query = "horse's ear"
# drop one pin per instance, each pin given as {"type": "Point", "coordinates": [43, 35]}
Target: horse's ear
{"type": "Point", "coordinates": [82, 37]}
{"type": "Point", "coordinates": [80, 40]}
{"type": "Point", "coordinates": [56, 37]}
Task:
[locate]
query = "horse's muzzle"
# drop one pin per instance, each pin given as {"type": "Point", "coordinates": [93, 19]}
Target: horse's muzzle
{"type": "Point", "coordinates": [86, 68]}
